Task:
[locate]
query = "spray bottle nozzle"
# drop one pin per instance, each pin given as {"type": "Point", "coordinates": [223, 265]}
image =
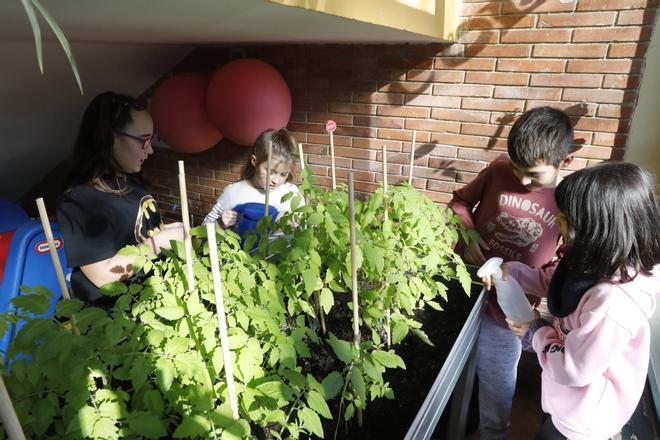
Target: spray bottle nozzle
{"type": "Point", "coordinates": [491, 267]}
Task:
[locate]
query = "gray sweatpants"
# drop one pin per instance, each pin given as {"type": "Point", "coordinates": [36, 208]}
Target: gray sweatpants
{"type": "Point", "coordinates": [498, 353]}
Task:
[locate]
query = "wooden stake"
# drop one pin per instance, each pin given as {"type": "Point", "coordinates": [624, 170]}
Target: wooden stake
{"type": "Point", "coordinates": [412, 157]}
{"type": "Point", "coordinates": [8, 414]}
{"type": "Point", "coordinates": [55, 258]}
{"type": "Point", "coordinates": [302, 156]}
{"type": "Point", "coordinates": [269, 163]}
{"type": "Point", "coordinates": [385, 217]}
{"type": "Point", "coordinates": [332, 162]}
{"type": "Point", "coordinates": [354, 281]}
{"type": "Point", "coordinates": [222, 320]}
{"type": "Point", "coordinates": [187, 240]}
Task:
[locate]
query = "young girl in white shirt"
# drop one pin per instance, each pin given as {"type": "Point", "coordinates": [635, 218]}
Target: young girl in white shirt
{"type": "Point", "coordinates": [251, 187]}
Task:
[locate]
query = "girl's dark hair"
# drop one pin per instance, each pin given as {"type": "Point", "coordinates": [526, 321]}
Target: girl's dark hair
{"type": "Point", "coordinates": [613, 215]}
{"type": "Point", "coordinates": [540, 135]}
{"type": "Point", "coordinates": [92, 160]}
{"type": "Point", "coordinates": [284, 148]}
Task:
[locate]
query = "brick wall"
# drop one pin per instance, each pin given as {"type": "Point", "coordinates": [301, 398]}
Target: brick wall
{"type": "Point", "coordinates": [586, 58]}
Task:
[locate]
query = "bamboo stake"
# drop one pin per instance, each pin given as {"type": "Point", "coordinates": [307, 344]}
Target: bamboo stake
{"type": "Point", "coordinates": [269, 163]}
{"type": "Point", "coordinates": [8, 414]}
{"type": "Point", "coordinates": [302, 156]}
{"type": "Point", "coordinates": [222, 320]}
{"type": "Point", "coordinates": [354, 281]}
{"type": "Point", "coordinates": [388, 314]}
{"type": "Point", "coordinates": [55, 258]}
{"type": "Point", "coordinates": [412, 157]}
{"type": "Point", "coordinates": [187, 240]}
{"type": "Point", "coordinates": [332, 162]}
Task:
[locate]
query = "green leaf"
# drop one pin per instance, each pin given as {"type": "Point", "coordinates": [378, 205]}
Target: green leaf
{"type": "Point", "coordinates": [164, 373]}
{"type": "Point", "coordinates": [114, 288]}
{"type": "Point", "coordinates": [343, 349]}
{"type": "Point", "coordinates": [388, 359]}
{"type": "Point", "coordinates": [153, 402]}
{"type": "Point", "coordinates": [399, 332]}
{"type": "Point", "coordinates": [464, 277]}
{"type": "Point", "coordinates": [36, 31]}
{"type": "Point", "coordinates": [193, 427]}
{"type": "Point", "coordinates": [146, 425]}
{"type": "Point", "coordinates": [276, 389]}
{"type": "Point", "coordinates": [327, 300]}
{"type": "Point", "coordinates": [170, 313]}
{"type": "Point", "coordinates": [105, 428]}
{"type": "Point", "coordinates": [311, 422]}
{"type": "Point", "coordinates": [317, 403]}
{"type": "Point", "coordinates": [67, 307]}
{"type": "Point", "coordinates": [357, 381]}
{"type": "Point", "coordinates": [237, 431]}
{"type": "Point", "coordinates": [312, 281]}
{"type": "Point", "coordinates": [421, 335]}
{"type": "Point", "coordinates": [332, 385]}
{"type": "Point", "coordinates": [32, 303]}
{"type": "Point", "coordinates": [350, 411]}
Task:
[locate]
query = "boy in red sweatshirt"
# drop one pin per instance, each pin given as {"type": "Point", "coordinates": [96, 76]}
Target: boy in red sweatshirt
{"type": "Point", "coordinates": [511, 205]}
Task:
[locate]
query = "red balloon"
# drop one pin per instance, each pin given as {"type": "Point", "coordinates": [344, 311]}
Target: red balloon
{"type": "Point", "coordinates": [178, 109]}
{"type": "Point", "coordinates": [246, 97]}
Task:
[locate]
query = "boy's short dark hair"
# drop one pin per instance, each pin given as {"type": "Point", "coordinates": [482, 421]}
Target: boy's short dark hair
{"type": "Point", "coordinates": [541, 135]}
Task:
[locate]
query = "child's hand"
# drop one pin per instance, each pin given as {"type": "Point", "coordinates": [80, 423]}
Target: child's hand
{"type": "Point", "coordinates": [228, 218]}
{"type": "Point", "coordinates": [488, 281]}
{"type": "Point", "coordinates": [473, 253]}
{"type": "Point", "coordinates": [173, 225]}
{"type": "Point", "coordinates": [520, 328]}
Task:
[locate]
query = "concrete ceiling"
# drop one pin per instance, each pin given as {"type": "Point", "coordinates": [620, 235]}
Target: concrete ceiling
{"type": "Point", "coordinates": [196, 22]}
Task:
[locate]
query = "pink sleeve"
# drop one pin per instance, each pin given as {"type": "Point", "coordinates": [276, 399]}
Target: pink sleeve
{"type": "Point", "coordinates": [465, 199]}
{"type": "Point", "coordinates": [533, 281]}
{"type": "Point", "coordinates": [586, 352]}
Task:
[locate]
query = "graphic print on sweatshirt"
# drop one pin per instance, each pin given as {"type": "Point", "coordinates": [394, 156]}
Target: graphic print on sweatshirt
{"type": "Point", "coordinates": [518, 226]}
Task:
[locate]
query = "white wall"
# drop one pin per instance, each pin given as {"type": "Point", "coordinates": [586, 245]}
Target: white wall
{"type": "Point", "coordinates": [40, 114]}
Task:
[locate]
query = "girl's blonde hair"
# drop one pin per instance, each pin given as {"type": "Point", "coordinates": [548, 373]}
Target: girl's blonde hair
{"type": "Point", "coordinates": [283, 148]}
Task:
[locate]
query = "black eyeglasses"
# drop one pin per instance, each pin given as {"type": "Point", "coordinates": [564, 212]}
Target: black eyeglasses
{"type": "Point", "coordinates": [145, 141]}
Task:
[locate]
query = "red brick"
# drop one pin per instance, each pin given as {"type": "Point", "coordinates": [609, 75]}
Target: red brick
{"type": "Point", "coordinates": [478, 36]}
{"type": "Point", "coordinates": [500, 22]}
{"type": "Point", "coordinates": [377, 121]}
{"type": "Point", "coordinates": [621, 81]}
{"type": "Point", "coordinates": [454, 164]}
{"type": "Point", "coordinates": [603, 66]}
{"type": "Point", "coordinates": [527, 93]}
{"type": "Point", "coordinates": [437, 197]}
{"type": "Point", "coordinates": [407, 112]}
{"type": "Point", "coordinates": [526, 7]}
{"type": "Point", "coordinates": [378, 98]}
{"type": "Point", "coordinates": [319, 171]}
{"type": "Point", "coordinates": [571, 108]}
{"type": "Point", "coordinates": [364, 176]}
{"type": "Point", "coordinates": [485, 130]}
{"type": "Point", "coordinates": [370, 165]}
{"type": "Point", "coordinates": [460, 140]}
{"type": "Point", "coordinates": [465, 63]}
{"type": "Point", "coordinates": [575, 19]}
{"type": "Point", "coordinates": [464, 177]}
{"type": "Point", "coordinates": [376, 144]}
{"type": "Point", "coordinates": [596, 124]}
{"type": "Point", "coordinates": [440, 186]}
{"type": "Point", "coordinates": [520, 79]}
{"type": "Point", "coordinates": [430, 173]}
{"type": "Point", "coordinates": [566, 80]}
{"type": "Point", "coordinates": [636, 17]}
{"type": "Point", "coordinates": [463, 90]}
{"type": "Point", "coordinates": [472, 9]}
{"type": "Point", "coordinates": [459, 115]}
{"type": "Point", "coordinates": [612, 34]}
{"type": "Point", "coordinates": [599, 96]}
{"type": "Point", "coordinates": [405, 62]}
{"type": "Point", "coordinates": [355, 153]}
{"type": "Point", "coordinates": [323, 117]}
{"type": "Point", "coordinates": [434, 101]}
{"type": "Point", "coordinates": [479, 154]}
{"type": "Point", "coordinates": [591, 152]}
{"type": "Point", "coordinates": [325, 160]}
{"type": "Point", "coordinates": [356, 131]}
{"type": "Point", "coordinates": [435, 126]}
{"type": "Point", "coordinates": [627, 50]}
{"type": "Point", "coordinates": [534, 65]}
{"type": "Point", "coordinates": [201, 189]}
{"type": "Point", "coordinates": [342, 107]}
{"type": "Point", "coordinates": [596, 5]}
{"type": "Point", "coordinates": [615, 111]}
{"type": "Point", "coordinates": [610, 139]}
{"type": "Point", "coordinates": [498, 50]}
{"type": "Point", "coordinates": [449, 76]}
{"type": "Point", "coordinates": [400, 135]}
{"type": "Point", "coordinates": [570, 50]}
{"type": "Point", "coordinates": [306, 127]}
{"type": "Point", "coordinates": [504, 105]}
{"type": "Point", "coordinates": [536, 36]}
{"type": "Point", "coordinates": [405, 87]}
{"type": "Point", "coordinates": [324, 140]}
{"type": "Point", "coordinates": [436, 150]}
{"type": "Point", "coordinates": [403, 158]}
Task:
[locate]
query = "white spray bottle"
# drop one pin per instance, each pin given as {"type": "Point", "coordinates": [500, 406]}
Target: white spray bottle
{"type": "Point", "coordinates": [510, 295]}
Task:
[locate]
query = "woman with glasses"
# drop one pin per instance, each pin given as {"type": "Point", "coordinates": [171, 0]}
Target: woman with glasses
{"type": "Point", "coordinates": [105, 205]}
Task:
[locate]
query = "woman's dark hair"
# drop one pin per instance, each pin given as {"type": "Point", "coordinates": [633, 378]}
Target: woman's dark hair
{"type": "Point", "coordinates": [540, 135]}
{"type": "Point", "coordinates": [613, 215]}
{"type": "Point", "coordinates": [92, 160]}
{"type": "Point", "coordinates": [284, 147]}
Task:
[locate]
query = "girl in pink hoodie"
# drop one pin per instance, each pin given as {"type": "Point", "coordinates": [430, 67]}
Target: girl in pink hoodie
{"type": "Point", "coordinates": [595, 353]}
